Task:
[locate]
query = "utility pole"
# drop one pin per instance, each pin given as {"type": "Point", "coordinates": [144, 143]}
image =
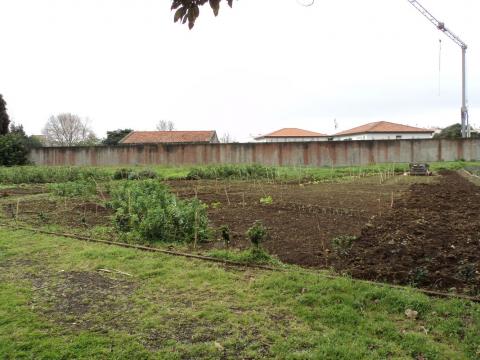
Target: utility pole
{"type": "Point", "coordinates": [441, 26]}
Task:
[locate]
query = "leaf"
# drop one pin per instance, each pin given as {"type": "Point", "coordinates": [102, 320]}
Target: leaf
{"type": "Point", "coordinates": [215, 5]}
{"type": "Point", "coordinates": [175, 4]}
{"type": "Point", "coordinates": [179, 14]}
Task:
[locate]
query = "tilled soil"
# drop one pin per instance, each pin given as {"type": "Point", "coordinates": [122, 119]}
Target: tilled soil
{"type": "Point", "coordinates": [302, 219]}
{"type": "Point", "coordinates": [430, 239]}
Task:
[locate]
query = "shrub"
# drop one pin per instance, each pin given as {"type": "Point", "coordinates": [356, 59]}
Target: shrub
{"type": "Point", "coordinates": [147, 174]}
{"type": "Point", "coordinates": [418, 276]}
{"type": "Point", "coordinates": [468, 272]}
{"type": "Point", "coordinates": [225, 233]}
{"type": "Point", "coordinates": [13, 150]}
{"type": "Point", "coordinates": [121, 174]}
{"type": "Point", "coordinates": [129, 174]}
{"type": "Point", "coordinates": [257, 233]}
{"type": "Point", "coordinates": [253, 171]}
{"type": "Point", "coordinates": [81, 188]}
{"type": "Point", "coordinates": [147, 209]}
{"type": "Point", "coordinates": [342, 244]}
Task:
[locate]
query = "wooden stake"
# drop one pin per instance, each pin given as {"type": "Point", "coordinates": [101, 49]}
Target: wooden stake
{"type": "Point", "coordinates": [18, 206]}
{"type": "Point", "coordinates": [226, 194]}
{"type": "Point", "coordinates": [196, 230]}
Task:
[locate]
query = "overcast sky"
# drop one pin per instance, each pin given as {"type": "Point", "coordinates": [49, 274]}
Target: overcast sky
{"type": "Point", "coordinates": [261, 66]}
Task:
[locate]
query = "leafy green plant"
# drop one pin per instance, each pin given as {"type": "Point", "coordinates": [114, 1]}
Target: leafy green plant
{"type": "Point", "coordinates": [129, 174]}
{"type": "Point", "coordinates": [121, 174]}
{"type": "Point", "coordinates": [342, 244]}
{"type": "Point", "coordinates": [148, 210]}
{"type": "Point", "coordinates": [266, 200]}
{"type": "Point", "coordinates": [225, 234]}
{"type": "Point", "coordinates": [42, 217]}
{"type": "Point", "coordinates": [468, 272]}
{"type": "Point", "coordinates": [244, 172]}
{"type": "Point", "coordinates": [257, 233]}
{"type": "Point", "coordinates": [215, 205]}
{"type": "Point", "coordinates": [80, 188]}
{"type": "Point", "coordinates": [51, 174]}
{"type": "Point", "coordinates": [147, 174]}
{"type": "Point", "coordinates": [418, 276]}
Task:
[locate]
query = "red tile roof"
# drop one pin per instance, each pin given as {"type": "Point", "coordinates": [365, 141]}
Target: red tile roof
{"type": "Point", "coordinates": [384, 127]}
{"type": "Point", "coordinates": [155, 137]}
{"type": "Point", "coordinates": [291, 132]}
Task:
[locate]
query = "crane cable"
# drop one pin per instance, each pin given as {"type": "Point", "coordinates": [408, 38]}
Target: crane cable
{"type": "Point", "coordinates": [439, 66]}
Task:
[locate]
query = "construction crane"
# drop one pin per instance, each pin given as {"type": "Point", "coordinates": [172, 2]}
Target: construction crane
{"type": "Point", "coordinates": [441, 26]}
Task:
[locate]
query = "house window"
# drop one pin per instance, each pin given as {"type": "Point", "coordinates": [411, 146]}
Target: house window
{"type": "Point", "coordinates": [399, 137]}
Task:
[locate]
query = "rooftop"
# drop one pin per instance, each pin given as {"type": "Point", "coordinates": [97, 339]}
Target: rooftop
{"type": "Point", "coordinates": [291, 132]}
{"type": "Point", "coordinates": [154, 137]}
{"type": "Point", "coordinates": [384, 127]}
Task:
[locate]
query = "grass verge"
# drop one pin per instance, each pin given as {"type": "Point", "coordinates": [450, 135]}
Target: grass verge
{"type": "Point", "coordinates": [57, 301]}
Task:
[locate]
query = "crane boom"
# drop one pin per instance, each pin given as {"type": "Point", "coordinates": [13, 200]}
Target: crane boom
{"type": "Point", "coordinates": [441, 26]}
{"type": "Point", "coordinates": [438, 24]}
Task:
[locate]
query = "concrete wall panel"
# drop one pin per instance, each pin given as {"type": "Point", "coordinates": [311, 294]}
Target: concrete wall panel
{"type": "Point", "coordinates": [337, 153]}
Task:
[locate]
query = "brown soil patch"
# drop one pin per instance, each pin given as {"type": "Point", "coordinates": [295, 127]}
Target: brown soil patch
{"type": "Point", "coordinates": [72, 213]}
{"type": "Point", "coordinates": [431, 239]}
{"type": "Point", "coordinates": [303, 218]}
{"type": "Point", "coordinates": [79, 299]}
{"type": "Point", "coordinates": [29, 190]}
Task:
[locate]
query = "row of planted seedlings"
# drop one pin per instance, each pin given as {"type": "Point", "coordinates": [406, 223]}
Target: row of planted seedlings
{"type": "Point", "coordinates": [143, 209]}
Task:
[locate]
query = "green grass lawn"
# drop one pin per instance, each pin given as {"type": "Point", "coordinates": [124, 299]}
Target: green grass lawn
{"type": "Point", "coordinates": [56, 304]}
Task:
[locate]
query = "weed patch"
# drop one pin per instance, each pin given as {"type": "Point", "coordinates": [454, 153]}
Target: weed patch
{"type": "Point", "coordinates": [80, 188]}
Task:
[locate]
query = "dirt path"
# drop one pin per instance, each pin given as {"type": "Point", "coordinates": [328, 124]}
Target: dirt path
{"type": "Point", "coordinates": [430, 239]}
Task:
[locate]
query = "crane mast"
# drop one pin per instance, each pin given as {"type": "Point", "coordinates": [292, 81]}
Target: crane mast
{"type": "Point", "coordinates": [441, 26]}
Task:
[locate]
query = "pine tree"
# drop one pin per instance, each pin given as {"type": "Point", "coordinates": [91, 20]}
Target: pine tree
{"type": "Point", "coordinates": [4, 119]}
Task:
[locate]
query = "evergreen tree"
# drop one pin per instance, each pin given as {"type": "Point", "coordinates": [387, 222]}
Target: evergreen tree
{"type": "Point", "coordinates": [4, 119]}
{"type": "Point", "coordinates": [113, 137]}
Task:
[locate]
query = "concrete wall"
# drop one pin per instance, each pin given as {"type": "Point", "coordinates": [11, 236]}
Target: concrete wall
{"type": "Point", "coordinates": [385, 136]}
{"type": "Point", "coordinates": [333, 153]}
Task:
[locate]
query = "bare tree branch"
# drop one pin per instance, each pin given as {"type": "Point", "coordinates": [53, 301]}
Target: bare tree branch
{"type": "Point", "coordinates": [68, 130]}
{"type": "Point", "coordinates": [226, 138]}
{"type": "Point", "coordinates": [164, 125]}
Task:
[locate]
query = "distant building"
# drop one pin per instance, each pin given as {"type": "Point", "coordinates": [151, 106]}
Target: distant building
{"type": "Point", "coordinates": [384, 130]}
{"type": "Point", "coordinates": [169, 137]}
{"type": "Point", "coordinates": [292, 135]}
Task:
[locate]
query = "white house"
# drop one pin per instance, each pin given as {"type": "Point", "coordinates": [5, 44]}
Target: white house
{"type": "Point", "coordinates": [292, 135]}
{"type": "Point", "coordinates": [384, 130]}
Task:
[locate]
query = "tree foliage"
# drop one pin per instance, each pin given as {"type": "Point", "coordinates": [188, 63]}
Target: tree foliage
{"type": "Point", "coordinates": [114, 137]}
{"type": "Point", "coordinates": [4, 119]}
{"type": "Point", "coordinates": [189, 10]}
{"type": "Point", "coordinates": [15, 145]}
{"type": "Point", "coordinates": [13, 150]}
{"type": "Point", "coordinates": [68, 130]}
{"type": "Point", "coordinates": [30, 141]}
{"type": "Point", "coordinates": [454, 132]}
